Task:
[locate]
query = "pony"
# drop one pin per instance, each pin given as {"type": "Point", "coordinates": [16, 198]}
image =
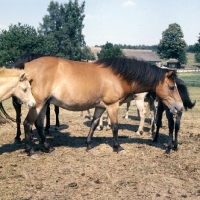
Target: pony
{"type": "Point", "coordinates": [182, 88]}
{"type": "Point", "coordinates": [103, 85]}
{"type": "Point", "coordinates": [13, 83]}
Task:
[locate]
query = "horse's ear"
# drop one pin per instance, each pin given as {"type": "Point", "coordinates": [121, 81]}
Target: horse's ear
{"type": "Point", "coordinates": [23, 77]}
{"type": "Point", "coordinates": [31, 81]}
{"type": "Point", "coordinates": [172, 74]}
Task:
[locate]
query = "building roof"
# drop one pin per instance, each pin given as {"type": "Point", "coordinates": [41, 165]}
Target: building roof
{"type": "Point", "coordinates": [146, 55]}
{"type": "Point", "coordinates": [172, 60]}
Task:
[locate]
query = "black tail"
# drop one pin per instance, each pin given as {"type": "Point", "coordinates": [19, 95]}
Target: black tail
{"type": "Point", "coordinates": [19, 64]}
{"type": "Point", "coordinates": [182, 88]}
{"type": "Point", "coordinates": [2, 120]}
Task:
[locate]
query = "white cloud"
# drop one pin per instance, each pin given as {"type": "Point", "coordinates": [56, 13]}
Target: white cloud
{"type": "Point", "coordinates": [129, 4]}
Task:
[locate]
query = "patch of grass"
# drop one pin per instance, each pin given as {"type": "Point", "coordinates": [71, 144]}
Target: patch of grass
{"type": "Point", "coordinates": [190, 78]}
{"type": "Point", "coordinates": [191, 60]}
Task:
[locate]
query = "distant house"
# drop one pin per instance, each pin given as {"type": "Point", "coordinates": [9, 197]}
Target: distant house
{"type": "Point", "coordinates": [173, 63]}
{"type": "Point", "coordinates": [146, 55]}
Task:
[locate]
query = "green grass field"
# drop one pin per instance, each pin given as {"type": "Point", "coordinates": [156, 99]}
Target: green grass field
{"type": "Point", "coordinates": [190, 78]}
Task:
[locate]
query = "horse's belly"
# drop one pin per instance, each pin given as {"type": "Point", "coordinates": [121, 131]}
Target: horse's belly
{"type": "Point", "coordinates": [75, 104]}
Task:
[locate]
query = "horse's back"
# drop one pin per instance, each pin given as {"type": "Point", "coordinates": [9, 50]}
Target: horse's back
{"type": "Point", "coordinates": [75, 83]}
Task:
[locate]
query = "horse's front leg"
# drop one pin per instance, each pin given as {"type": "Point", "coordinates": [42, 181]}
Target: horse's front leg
{"type": "Point", "coordinates": [160, 111]}
{"type": "Point", "coordinates": [17, 107]}
{"type": "Point", "coordinates": [28, 123]}
{"type": "Point", "coordinates": [113, 115]}
{"type": "Point", "coordinates": [94, 123]}
{"type": "Point", "coordinates": [39, 123]}
{"type": "Point", "coordinates": [171, 129]}
{"type": "Point", "coordinates": [177, 128]}
{"type": "Point", "coordinates": [153, 116]}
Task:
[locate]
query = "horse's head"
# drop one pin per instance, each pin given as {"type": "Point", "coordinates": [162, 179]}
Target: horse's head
{"type": "Point", "coordinates": [168, 92]}
{"type": "Point", "coordinates": [23, 91]}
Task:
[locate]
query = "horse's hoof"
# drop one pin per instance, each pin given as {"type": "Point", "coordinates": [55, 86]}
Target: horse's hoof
{"type": "Point", "coordinates": [167, 151]}
{"type": "Point", "coordinates": [46, 131]}
{"type": "Point", "coordinates": [137, 133]}
{"type": "Point", "coordinates": [155, 140]}
{"type": "Point", "coordinates": [51, 149]}
{"type": "Point", "coordinates": [175, 148]}
{"type": "Point", "coordinates": [100, 128]}
{"type": "Point", "coordinates": [56, 128]}
{"type": "Point", "coordinates": [122, 152]}
{"type": "Point", "coordinates": [34, 156]}
{"type": "Point", "coordinates": [17, 141]}
{"type": "Point", "coordinates": [90, 150]}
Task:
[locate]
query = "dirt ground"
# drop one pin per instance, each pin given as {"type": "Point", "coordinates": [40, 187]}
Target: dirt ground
{"type": "Point", "coordinates": [144, 172]}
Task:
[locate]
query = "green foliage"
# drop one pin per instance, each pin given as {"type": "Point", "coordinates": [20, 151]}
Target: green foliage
{"type": "Point", "coordinates": [87, 54]}
{"type": "Point", "coordinates": [19, 39]}
{"type": "Point", "coordinates": [172, 45]}
{"type": "Point", "coordinates": [109, 50]}
{"type": "Point", "coordinates": [63, 30]}
{"type": "Point", "coordinates": [190, 78]}
{"type": "Point", "coordinates": [197, 50]}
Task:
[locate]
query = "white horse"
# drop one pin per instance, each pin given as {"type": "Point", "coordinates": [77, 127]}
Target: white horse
{"type": "Point", "coordinates": [139, 98]}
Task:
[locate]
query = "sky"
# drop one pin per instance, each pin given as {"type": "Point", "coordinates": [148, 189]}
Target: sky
{"type": "Point", "coordinates": [130, 22]}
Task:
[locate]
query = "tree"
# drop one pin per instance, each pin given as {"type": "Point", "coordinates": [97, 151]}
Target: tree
{"type": "Point", "coordinates": [17, 40]}
{"type": "Point", "coordinates": [172, 45]}
{"type": "Point", "coordinates": [87, 54]}
{"type": "Point", "coordinates": [63, 29]}
{"type": "Point", "coordinates": [109, 50]}
{"type": "Point", "coordinates": [197, 50]}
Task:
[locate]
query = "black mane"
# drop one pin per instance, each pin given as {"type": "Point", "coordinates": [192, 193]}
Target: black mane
{"type": "Point", "coordinates": [182, 88]}
{"type": "Point", "coordinates": [132, 69]}
{"type": "Point", "coordinates": [19, 64]}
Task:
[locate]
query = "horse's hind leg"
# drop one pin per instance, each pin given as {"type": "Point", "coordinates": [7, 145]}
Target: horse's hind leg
{"type": "Point", "coordinates": [94, 123]}
{"type": "Point", "coordinates": [127, 109]}
{"type": "Point", "coordinates": [47, 127]}
{"type": "Point", "coordinates": [17, 108]}
{"type": "Point", "coordinates": [100, 126]}
{"type": "Point", "coordinates": [140, 106]}
{"type": "Point", "coordinates": [39, 123]}
{"type": "Point", "coordinates": [56, 109]}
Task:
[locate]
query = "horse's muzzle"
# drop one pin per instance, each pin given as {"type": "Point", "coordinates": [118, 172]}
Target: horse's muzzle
{"type": "Point", "coordinates": [177, 107]}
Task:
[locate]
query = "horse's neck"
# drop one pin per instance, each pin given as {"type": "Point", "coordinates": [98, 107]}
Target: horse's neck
{"type": "Point", "coordinates": [136, 88]}
{"type": "Point", "coordinates": [7, 86]}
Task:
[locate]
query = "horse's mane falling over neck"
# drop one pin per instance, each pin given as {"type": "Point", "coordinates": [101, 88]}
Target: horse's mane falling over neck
{"type": "Point", "coordinates": [135, 70]}
{"type": "Point", "coordinates": [182, 88]}
{"type": "Point", "coordinates": [19, 64]}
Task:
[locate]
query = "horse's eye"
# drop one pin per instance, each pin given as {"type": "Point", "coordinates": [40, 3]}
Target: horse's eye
{"type": "Point", "coordinates": [171, 87]}
{"type": "Point", "coordinates": [25, 89]}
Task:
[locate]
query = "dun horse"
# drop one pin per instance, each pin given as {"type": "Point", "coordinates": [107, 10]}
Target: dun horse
{"type": "Point", "coordinates": [104, 84]}
{"type": "Point", "coordinates": [13, 82]}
